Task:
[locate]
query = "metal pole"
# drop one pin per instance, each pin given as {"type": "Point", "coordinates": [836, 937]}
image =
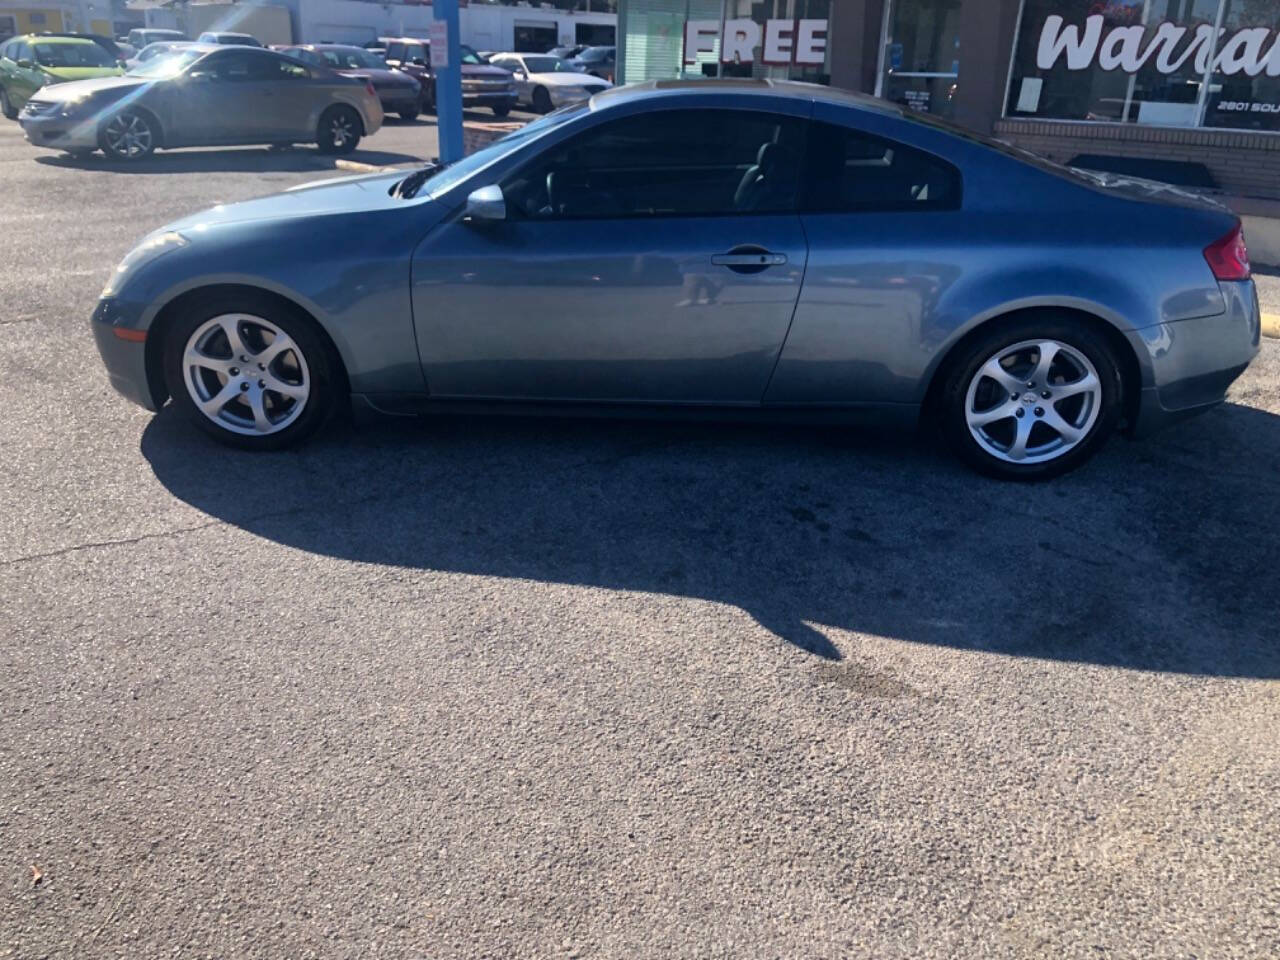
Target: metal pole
{"type": "Point", "coordinates": [448, 81]}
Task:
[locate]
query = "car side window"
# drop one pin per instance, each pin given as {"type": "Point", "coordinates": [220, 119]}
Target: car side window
{"type": "Point", "coordinates": [850, 171]}
{"type": "Point", "coordinates": [288, 70]}
{"type": "Point", "coordinates": [672, 163]}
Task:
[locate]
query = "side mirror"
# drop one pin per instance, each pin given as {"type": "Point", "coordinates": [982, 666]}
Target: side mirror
{"type": "Point", "coordinates": [487, 203]}
{"type": "Point", "coordinates": [25, 63]}
{"type": "Point", "coordinates": [419, 61]}
{"type": "Point", "coordinates": [521, 74]}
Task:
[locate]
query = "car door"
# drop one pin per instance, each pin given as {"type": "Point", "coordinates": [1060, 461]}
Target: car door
{"type": "Point", "coordinates": [229, 99]}
{"type": "Point", "coordinates": [887, 240]}
{"type": "Point", "coordinates": [655, 257]}
{"type": "Point", "coordinates": [24, 77]}
{"type": "Point", "coordinates": [291, 97]}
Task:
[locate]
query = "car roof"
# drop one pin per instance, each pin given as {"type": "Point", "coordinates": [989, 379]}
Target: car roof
{"type": "Point", "coordinates": [45, 38]}
{"type": "Point", "coordinates": [763, 88]}
{"type": "Point", "coordinates": [330, 46]}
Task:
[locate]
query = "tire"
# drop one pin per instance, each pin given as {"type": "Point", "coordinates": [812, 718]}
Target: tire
{"type": "Point", "coordinates": [1006, 415]}
{"type": "Point", "coordinates": [6, 105]}
{"type": "Point", "coordinates": [429, 98]}
{"type": "Point", "coordinates": [541, 100]}
{"type": "Point", "coordinates": [410, 115]}
{"type": "Point", "coordinates": [339, 130]}
{"type": "Point", "coordinates": [243, 409]}
{"type": "Point", "coordinates": [501, 111]}
{"type": "Point", "coordinates": [129, 135]}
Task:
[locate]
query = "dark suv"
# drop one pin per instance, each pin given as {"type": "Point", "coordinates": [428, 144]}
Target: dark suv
{"type": "Point", "coordinates": [483, 85]}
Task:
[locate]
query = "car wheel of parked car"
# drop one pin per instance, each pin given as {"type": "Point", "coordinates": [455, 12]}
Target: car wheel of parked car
{"type": "Point", "coordinates": [429, 99]}
{"type": "Point", "coordinates": [249, 372]}
{"type": "Point", "coordinates": [408, 116]}
{"type": "Point", "coordinates": [541, 100]}
{"type": "Point", "coordinates": [339, 130]}
{"type": "Point", "coordinates": [6, 105]}
{"type": "Point", "coordinates": [1032, 399]}
{"type": "Point", "coordinates": [502, 111]}
{"type": "Point", "coordinates": [129, 135]}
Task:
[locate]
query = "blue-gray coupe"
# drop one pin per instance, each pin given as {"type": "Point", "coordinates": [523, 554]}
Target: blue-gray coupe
{"type": "Point", "coordinates": [709, 248]}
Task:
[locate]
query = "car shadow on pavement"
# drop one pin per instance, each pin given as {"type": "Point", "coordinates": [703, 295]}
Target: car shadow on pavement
{"type": "Point", "coordinates": [240, 160]}
{"type": "Point", "coordinates": [1159, 555]}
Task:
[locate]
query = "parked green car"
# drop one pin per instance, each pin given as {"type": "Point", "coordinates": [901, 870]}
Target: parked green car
{"type": "Point", "coordinates": [29, 62]}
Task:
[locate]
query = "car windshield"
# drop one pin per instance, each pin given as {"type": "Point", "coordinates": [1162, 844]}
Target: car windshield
{"type": "Point", "coordinates": [415, 51]}
{"type": "Point", "coordinates": [546, 65]}
{"type": "Point", "coordinates": [467, 55]}
{"type": "Point", "coordinates": [595, 53]}
{"type": "Point", "coordinates": [353, 59]}
{"type": "Point", "coordinates": [72, 55]}
{"type": "Point", "coordinates": [168, 65]}
{"type": "Point", "coordinates": [451, 176]}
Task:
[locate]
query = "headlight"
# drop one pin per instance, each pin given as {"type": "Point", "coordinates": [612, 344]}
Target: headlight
{"type": "Point", "coordinates": [149, 249]}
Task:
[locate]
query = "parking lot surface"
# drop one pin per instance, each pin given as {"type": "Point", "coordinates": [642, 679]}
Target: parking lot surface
{"type": "Point", "coordinates": [527, 688]}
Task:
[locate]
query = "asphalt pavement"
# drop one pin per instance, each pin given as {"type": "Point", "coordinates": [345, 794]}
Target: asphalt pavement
{"type": "Point", "coordinates": [549, 689]}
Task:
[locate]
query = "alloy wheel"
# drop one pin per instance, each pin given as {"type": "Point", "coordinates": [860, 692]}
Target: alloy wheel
{"type": "Point", "coordinates": [1033, 401]}
{"type": "Point", "coordinates": [129, 135]}
{"type": "Point", "coordinates": [341, 130]}
{"type": "Point", "coordinates": [246, 374]}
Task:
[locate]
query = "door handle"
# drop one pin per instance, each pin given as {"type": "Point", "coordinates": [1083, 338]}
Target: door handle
{"type": "Point", "coordinates": [761, 259]}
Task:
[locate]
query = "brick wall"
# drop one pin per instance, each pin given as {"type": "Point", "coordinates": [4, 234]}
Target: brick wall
{"type": "Point", "coordinates": [1243, 163]}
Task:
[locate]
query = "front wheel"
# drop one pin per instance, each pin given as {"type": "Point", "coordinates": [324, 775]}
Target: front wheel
{"type": "Point", "coordinates": [129, 135]}
{"type": "Point", "coordinates": [502, 110]}
{"type": "Point", "coordinates": [1032, 399]}
{"type": "Point", "coordinates": [542, 100]}
{"type": "Point", "coordinates": [339, 130]}
{"type": "Point", "coordinates": [250, 372]}
{"type": "Point", "coordinates": [409, 114]}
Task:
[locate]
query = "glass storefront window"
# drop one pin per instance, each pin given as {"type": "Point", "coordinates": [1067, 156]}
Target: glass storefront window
{"type": "Point", "coordinates": [653, 39]}
{"type": "Point", "coordinates": [1244, 91]}
{"type": "Point", "coordinates": [921, 55]}
{"type": "Point", "coordinates": [1182, 63]}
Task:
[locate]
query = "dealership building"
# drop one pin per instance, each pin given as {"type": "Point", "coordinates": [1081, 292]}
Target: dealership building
{"type": "Point", "coordinates": [1186, 90]}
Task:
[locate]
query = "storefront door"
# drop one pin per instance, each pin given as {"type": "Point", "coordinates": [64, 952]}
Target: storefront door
{"type": "Point", "coordinates": [920, 58]}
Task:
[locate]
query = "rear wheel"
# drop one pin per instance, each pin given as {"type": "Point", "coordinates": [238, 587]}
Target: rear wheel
{"type": "Point", "coordinates": [409, 114]}
{"type": "Point", "coordinates": [339, 130]}
{"type": "Point", "coordinates": [129, 135]}
{"type": "Point", "coordinates": [249, 371]}
{"type": "Point", "coordinates": [502, 110]}
{"type": "Point", "coordinates": [6, 105]}
{"type": "Point", "coordinates": [542, 100]}
{"type": "Point", "coordinates": [429, 98]}
{"type": "Point", "coordinates": [1032, 399]}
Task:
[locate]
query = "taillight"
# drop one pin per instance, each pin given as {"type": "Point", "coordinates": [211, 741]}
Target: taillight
{"type": "Point", "coordinates": [1228, 257]}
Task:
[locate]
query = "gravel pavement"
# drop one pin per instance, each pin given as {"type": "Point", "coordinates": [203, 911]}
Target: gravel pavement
{"type": "Point", "coordinates": [585, 689]}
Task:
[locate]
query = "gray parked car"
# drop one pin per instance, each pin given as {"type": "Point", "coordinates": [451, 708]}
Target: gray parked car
{"type": "Point", "coordinates": [204, 95]}
{"type": "Point", "coordinates": [740, 248]}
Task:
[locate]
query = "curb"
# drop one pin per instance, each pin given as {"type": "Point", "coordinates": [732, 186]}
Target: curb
{"type": "Point", "coordinates": [1271, 325]}
{"type": "Point", "coordinates": [355, 166]}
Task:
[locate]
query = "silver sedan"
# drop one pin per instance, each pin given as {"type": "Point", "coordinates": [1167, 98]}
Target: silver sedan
{"type": "Point", "coordinates": [204, 95]}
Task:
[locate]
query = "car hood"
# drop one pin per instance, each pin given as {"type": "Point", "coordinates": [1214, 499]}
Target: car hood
{"type": "Point", "coordinates": [362, 193]}
{"type": "Point", "coordinates": [561, 79]}
{"type": "Point", "coordinates": [481, 70]}
{"type": "Point", "coordinates": [380, 77]}
{"type": "Point", "coordinates": [76, 89]}
{"type": "Point", "coordinates": [82, 73]}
